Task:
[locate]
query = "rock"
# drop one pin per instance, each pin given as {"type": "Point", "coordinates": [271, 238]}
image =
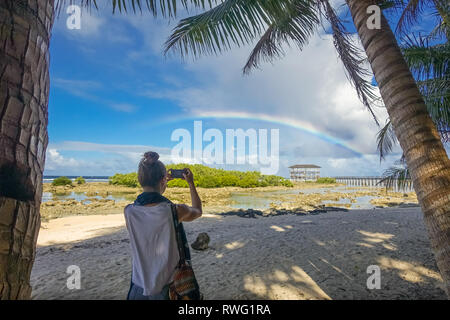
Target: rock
{"type": "Point", "coordinates": [316, 211]}
{"type": "Point", "coordinates": [202, 242]}
{"type": "Point", "coordinates": [336, 209]}
{"type": "Point", "coordinates": [244, 213]}
{"type": "Point", "coordinates": [300, 212]}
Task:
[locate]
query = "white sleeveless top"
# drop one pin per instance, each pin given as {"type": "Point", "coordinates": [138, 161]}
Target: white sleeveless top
{"type": "Point", "coordinates": [153, 246]}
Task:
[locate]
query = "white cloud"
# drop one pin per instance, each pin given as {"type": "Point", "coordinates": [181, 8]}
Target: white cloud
{"type": "Point", "coordinates": [91, 24]}
{"type": "Point", "coordinates": [79, 88]}
{"type": "Point", "coordinates": [361, 166]}
{"type": "Point", "coordinates": [96, 158]}
{"type": "Point", "coordinates": [55, 160]}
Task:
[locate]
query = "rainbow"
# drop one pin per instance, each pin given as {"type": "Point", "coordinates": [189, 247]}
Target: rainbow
{"type": "Point", "coordinates": [284, 121]}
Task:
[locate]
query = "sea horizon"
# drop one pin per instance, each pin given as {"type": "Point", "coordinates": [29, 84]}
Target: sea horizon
{"type": "Point", "coordinates": [50, 178]}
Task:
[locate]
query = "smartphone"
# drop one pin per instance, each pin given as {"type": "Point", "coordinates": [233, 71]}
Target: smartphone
{"type": "Point", "coordinates": [177, 173]}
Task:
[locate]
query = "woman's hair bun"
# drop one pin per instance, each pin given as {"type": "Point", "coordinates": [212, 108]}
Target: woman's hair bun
{"type": "Point", "coordinates": [151, 157]}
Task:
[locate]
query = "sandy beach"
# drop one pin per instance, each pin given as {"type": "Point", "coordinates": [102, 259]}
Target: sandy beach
{"type": "Point", "coordinates": [323, 256]}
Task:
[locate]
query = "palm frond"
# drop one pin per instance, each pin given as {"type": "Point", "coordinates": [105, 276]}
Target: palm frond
{"type": "Point", "coordinates": [296, 25]}
{"type": "Point", "coordinates": [352, 57]}
{"type": "Point", "coordinates": [267, 49]}
{"type": "Point", "coordinates": [436, 93]}
{"type": "Point", "coordinates": [430, 65]}
{"type": "Point", "coordinates": [386, 139]}
{"type": "Point", "coordinates": [233, 22]}
{"type": "Point", "coordinates": [427, 61]}
{"type": "Point", "coordinates": [388, 4]}
{"type": "Point", "coordinates": [411, 13]}
{"type": "Point", "coordinates": [441, 29]}
{"type": "Point", "coordinates": [443, 10]}
{"type": "Point", "coordinates": [397, 175]}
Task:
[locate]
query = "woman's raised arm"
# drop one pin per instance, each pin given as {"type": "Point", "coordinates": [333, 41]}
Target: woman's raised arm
{"type": "Point", "coordinates": [186, 213]}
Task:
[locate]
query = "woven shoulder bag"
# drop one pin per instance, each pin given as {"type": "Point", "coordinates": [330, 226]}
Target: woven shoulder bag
{"type": "Point", "coordinates": [184, 285]}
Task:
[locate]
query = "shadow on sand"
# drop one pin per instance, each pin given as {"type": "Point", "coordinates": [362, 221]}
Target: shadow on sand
{"type": "Point", "coordinates": [321, 256]}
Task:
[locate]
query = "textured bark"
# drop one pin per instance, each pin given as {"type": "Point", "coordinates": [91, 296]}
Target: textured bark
{"type": "Point", "coordinates": [25, 27]}
{"type": "Point", "coordinates": [425, 155]}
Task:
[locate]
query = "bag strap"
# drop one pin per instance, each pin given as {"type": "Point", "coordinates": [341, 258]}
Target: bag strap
{"type": "Point", "coordinates": [180, 243]}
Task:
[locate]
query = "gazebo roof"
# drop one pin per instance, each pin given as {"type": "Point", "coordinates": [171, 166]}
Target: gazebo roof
{"type": "Point", "coordinates": [304, 166]}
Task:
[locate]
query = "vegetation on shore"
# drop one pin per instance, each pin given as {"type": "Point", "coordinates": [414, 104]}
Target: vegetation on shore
{"type": "Point", "coordinates": [206, 177]}
{"type": "Point", "coordinates": [80, 180]}
{"type": "Point", "coordinates": [62, 181]}
{"type": "Point", "coordinates": [326, 180]}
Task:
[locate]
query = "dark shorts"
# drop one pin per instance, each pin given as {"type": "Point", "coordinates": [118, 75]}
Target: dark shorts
{"type": "Point", "coordinates": [137, 293]}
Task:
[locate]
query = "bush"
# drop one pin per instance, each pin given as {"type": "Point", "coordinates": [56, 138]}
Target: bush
{"type": "Point", "coordinates": [326, 180]}
{"type": "Point", "coordinates": [80, 180]}
{"type": "Point", "coordinates": [62, 181]}
{"type": "Point", "coordinates": [128, 179]}
{"type": "Point", "coordinates": [207, 177]}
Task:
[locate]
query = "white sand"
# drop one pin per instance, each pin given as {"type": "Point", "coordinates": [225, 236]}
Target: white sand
{"type": "Point", "coordinates": [284, 257]}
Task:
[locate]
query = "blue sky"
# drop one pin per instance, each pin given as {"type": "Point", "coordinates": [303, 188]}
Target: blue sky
{"type": "Point", "coordinates": [114, 96]}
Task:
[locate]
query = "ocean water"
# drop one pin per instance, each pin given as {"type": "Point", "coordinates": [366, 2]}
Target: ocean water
{"type": "Point", "coordinates": [81, 196]}
{"type": "Point", "coordinates": [87, 178]}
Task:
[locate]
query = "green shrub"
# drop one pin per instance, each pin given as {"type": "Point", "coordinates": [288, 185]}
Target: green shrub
{"type": "Point", "coordinates": [207, 177]}
{"type": "Point", "coordinates": [62, 181]}
{"type": "Point", "coordinates": [326, 180]}
{"type": "Point", "coordinates": [127, 179]}
{"type": "Point", "coordinates": [80, 180]}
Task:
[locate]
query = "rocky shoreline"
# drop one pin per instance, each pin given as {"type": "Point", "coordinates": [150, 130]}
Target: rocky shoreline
{"type": "Point", "coordinates": [281, 200]}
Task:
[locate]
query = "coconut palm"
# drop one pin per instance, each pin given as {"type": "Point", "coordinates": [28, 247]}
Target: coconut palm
{"type": "Point", "coordinates": [430, 66]}
{"type": "Point", "coordinates": [239, 22]}
{"type": "Point", "coordinates": [25, 32]}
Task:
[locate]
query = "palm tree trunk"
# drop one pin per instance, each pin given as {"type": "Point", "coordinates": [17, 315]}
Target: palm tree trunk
{"type": "Point", "coordinates": [25, 27]}
{"type": "Point", "coordinates": [425, 155]}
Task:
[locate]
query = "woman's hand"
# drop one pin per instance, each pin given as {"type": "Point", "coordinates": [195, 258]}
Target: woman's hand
{"type": "Point", "coordinates": [188, 176]}
{"type": "Point", "coordinates": [186, 213]}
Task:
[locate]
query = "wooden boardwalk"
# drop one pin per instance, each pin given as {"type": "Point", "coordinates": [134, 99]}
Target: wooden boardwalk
{"type": "Point", "coordinates": [370, 182]}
